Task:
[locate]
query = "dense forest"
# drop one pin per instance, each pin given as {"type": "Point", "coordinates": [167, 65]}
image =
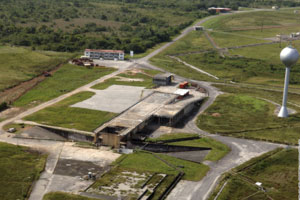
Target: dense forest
{"type": "Point", "coordinates": [72, 25]}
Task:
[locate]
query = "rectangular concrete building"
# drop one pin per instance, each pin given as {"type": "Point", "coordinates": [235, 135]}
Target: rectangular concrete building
{"type": "Point", "coordinates": [104, 54]}
{"type": "Point", "coordinates": [163, 79]}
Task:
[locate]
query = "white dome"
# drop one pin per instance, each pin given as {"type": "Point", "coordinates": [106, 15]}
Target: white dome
{"type": "Point", "coordinates": [289, 56]}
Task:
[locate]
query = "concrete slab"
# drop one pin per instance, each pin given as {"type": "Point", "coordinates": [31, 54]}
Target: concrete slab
{"type": "Point", "coordinates": [194, 156]}
{"type": "Point", "coordinates": [41, 133]}
{"type": "Point", "coordinates": [69, 167]}
{"type": "Point", "coordinates": [111, 63]}
{"type": "Point", "coordinates": [98, 156]}
{"type": "Point", "coordinates": [115, 98]}
{"type": "Point", "coordinates": [68, 184]}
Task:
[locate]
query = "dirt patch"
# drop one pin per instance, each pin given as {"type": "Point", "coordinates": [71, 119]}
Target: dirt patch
{"type": "Point", "coordinates": [134, 71]}
{"type": "Point", "coordinates": [12, 94]}
{"type": "Point", "coordinates": [216, 115]}
{"type": "Point", "coordinates": [10, 112]}
{"type": "Point", "coordinates": [129, 79]}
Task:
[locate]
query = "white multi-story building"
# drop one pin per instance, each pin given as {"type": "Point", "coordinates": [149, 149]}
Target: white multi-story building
{"type": "Point", "coordinates": [104, 54]}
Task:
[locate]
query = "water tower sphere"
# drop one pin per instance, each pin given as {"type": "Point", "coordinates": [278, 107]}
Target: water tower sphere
{"type": "Point", "coordinates": [289, 56]}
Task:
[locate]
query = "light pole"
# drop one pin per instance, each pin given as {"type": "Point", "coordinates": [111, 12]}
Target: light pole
{"type": "Point", "coordinates": [289, 56]}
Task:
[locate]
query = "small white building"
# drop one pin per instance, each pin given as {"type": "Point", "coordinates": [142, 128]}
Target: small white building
{"type": "Point", "coordinates": [198, 28]}
{"type": "Point", "coordinates": [104, 54]}
{"type": "Point", "coordinates": [275, 7]}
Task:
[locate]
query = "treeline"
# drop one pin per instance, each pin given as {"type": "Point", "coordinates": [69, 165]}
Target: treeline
{"type": "Point", "coordinates": [36, 23]}
{"type": "Point", "coordinates": [190, 5]}
{"type": "Point", "coordinates": [47, 38]}
{"type": "Point", "coordinates": [72, 25]}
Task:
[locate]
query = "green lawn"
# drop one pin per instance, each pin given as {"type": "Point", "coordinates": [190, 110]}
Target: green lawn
{"type": "Point", "coordinates": [145, 76]}
{"type": "Point", "coordinates": [62, 115]}
{"type": "Point", "coordinates": [225, 39]}
{"type": "Point", "coordinates": [66, 79]}
{"type": "Point", "coordinates": [147, 162]}
{"type": "Point", "coordinates": [245, 116]}
{"type": "Point", "coordinates": [21, 64]}
{"type": "Point", "coordinates": [256, 91]}
{"type": "Point", "coordinates": [219, 150]}
{"type": "Point", "coordinates": [277, 171]}
{"type": "Point", "coordinates": [64, 196]}
{"type": "Point", "coordinates": [19, 167]}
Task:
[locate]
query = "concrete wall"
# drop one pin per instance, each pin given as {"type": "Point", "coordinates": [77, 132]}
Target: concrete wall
{"type": "Point", "coordinates": [110, 139]}
{"type": "Point", "coordinates": [71, 135]}
{"type": "Point", "coordinates": [163, 148]}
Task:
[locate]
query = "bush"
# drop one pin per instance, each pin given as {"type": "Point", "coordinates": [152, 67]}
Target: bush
{"type": "Point", "coordinates": [3, 106]}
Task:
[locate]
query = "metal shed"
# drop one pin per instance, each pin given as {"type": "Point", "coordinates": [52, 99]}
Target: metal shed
{"type": "Point", "coordinates": [163, 79]}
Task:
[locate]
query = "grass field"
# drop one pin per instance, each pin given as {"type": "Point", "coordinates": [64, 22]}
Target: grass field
{"type": "Point", "coordinates": [19, 167]}
{"type": "Point", "coordinates": [145, 77]}
{"type": "Point", "coordinates": [251, 20]}
{"type": "Point", "coordinates": [21, 64]}
{"type": "Point", "coordinates": [219, 150]}
{"type": "Point", "coordinates": [148, 162]}
{"type": "Point", "coordinates": [62, 115]}
{"type": "Point", "coordinates": [64, 196]}
{"type": "Point", "coordinates": [225, 39]}
{"type": "Point", "coordinates": [245, 116]}
{"type": "Point", "coordinates": [66, 79]}
{"type": "Point", "coordinates": [193, 42]}
{"type": "Point", "coordinates": [274, 94]}
{"type": "Point", "coordinates": [277, 171]}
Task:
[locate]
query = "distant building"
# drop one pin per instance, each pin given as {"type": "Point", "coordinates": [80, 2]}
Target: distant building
{"type": "Point", "coordinates": [275, 7]}
{"type": "Point", "coordinates": [104, 54]}
{"type": "Point", "coordinates": [198, 28]}
{"type": "Point", "coordinates": [220, 10]}
{"type": "Point", "coordinates": [163, 79]}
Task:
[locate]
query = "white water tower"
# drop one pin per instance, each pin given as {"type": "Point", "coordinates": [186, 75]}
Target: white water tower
{"type": "Point", "coordinates": [289, 56]}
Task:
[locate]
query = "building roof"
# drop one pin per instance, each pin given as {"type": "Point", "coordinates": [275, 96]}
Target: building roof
{"type": "Point", "coordinates": [104, 51]}
{"type": "Point", "coordinates": [225, 9]}
{"type": "Point", "coordinates": [162, 76]}
{"type": "Point", "coordinates": [182, 92]}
